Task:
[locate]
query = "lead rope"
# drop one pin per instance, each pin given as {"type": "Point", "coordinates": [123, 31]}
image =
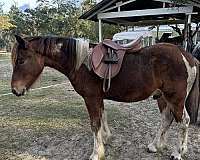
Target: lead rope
{"type": "Point", "coordinates": [107, 75]}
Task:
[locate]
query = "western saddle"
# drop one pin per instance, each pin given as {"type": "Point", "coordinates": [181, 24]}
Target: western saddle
{"type": "Point", "coordinates": [107, 58]}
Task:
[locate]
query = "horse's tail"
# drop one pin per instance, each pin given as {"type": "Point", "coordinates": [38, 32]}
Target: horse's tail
{"type": "Point", "coordinates": [192, 102]}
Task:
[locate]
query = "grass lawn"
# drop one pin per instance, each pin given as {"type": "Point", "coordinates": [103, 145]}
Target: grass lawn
{"type": "Point", "coordinates": [22, 111]}
{"type": "Point", "coordinates": [53, 124]}
{"type": "Point", "coordinates": [39, 113]}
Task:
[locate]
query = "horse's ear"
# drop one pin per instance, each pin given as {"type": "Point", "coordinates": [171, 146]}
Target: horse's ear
{"type": "Point", "coordinates": [22, 43]}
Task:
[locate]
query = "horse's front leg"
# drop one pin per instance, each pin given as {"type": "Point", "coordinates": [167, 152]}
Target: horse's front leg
{"type": "Point", "coordinates": [106, 134]}
{"type": "Point", "coordinates": [94, 106]}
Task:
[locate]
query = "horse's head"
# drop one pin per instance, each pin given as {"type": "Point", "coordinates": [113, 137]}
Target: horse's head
{"type": "Point", "coordinates": [27, 66]}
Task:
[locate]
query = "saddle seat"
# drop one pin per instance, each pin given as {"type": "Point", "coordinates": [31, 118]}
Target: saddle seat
{"type": "Point", "coordinates": [132, 46]}
{"type": "Point", "coordinates": [108, 67]}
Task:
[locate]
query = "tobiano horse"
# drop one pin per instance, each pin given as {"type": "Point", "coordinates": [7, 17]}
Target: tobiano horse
{"type": "Point", "coordinates": [163, 67]}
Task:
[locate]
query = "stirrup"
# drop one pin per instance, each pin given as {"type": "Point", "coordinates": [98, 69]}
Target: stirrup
{"type": "Point", "coordinates": [107, 73]}
{"type": "Point", "coordinates": [110, 57]}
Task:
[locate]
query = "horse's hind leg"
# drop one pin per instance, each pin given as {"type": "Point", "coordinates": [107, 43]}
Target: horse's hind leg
{"type": "Point", "coordinates": [184, 121]}
{"type": "Point", "coordinates": [182, 136]}
{"type": "Point", "coordinates": [94, 106]}
{"type": "Point", "coordinates": [166, 120]}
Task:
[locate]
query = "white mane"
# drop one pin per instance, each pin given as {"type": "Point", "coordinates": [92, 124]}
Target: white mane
{"type": "Point", "coordinates": [82, 51]}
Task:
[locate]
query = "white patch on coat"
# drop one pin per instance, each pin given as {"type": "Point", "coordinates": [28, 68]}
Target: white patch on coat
{"type": "Point", "coordinates": [192, 71]}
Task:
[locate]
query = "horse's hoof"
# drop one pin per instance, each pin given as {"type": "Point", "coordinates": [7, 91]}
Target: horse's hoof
{"type": "Point", "coordinates": [93, 157]}
{"type": "Point", "coordinates": [107, 139]}
{"type": "Point", "coordinates": [151, 148]}
{"type": "Point", "coordinates": [164, 146]}
{"type": "Point", "coordinates": [96, 157]}
{"type": "Point", "coordinates": [175, 157]}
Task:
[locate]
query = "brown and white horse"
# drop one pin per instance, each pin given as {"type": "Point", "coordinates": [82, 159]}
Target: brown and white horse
{"type": "Point", "coordinates": [162, 66]}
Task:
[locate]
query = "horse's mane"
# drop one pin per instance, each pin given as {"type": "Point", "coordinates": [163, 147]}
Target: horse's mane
{"type": "Point", "coordinates": [47, 45]}
{"type": "Point", "coordinates": [74, 49]}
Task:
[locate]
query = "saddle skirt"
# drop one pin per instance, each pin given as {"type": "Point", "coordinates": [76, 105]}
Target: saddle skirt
{"type": "Point", "coordinates": [100, 50]}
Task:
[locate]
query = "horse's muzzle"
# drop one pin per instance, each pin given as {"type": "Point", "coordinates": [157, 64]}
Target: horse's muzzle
{"type": "Point", "coordinates": [14, 91]}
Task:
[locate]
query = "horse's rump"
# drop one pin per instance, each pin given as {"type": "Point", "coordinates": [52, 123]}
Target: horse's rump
{"type": "Point", "coordinates": [193, 101]}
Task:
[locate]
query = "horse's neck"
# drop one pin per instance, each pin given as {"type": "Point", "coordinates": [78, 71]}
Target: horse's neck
{"type": "Point", "coordinates": [58, 65]}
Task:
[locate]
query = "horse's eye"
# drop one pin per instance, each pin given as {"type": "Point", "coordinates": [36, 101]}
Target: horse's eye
{"type": "Point", "coordinates": [20, 61]}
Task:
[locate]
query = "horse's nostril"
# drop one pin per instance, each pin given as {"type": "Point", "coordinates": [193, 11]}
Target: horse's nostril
{"type": "Point", "coordinates": [23, 92]}
{"type": "Point", "coordinates": [14, 91]}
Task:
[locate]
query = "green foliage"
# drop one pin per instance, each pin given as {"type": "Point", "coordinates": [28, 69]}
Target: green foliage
{"type": "Point", "coordinates": [55, 17]}
{"type": "Point", "coordinates": [89, 29]}
{"type": "Point", "coordinates": [2, 43]}
{"type": "Point", "coordinates": [5, 22]}
{"type": "Point", "coordinates": [18, 19]}
{"type": "Point", "coordinates": [4, 19]}
{"type": "Point", "coordinates": [5, 26]}
{"type": "Point", "coordinates": [1, 8]}
{"type": "Point", "coordinates": [109, 30]}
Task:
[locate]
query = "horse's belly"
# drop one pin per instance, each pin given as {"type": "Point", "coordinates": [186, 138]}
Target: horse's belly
{"type": "Point", "coordinates": [130, 96]}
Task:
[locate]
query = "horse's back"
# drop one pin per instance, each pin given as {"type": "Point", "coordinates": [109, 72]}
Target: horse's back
{"type": "Point", "coordinates": [160, 66]}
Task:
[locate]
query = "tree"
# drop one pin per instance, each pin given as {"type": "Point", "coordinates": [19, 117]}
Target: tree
{"type": "Point", "coordinates": [18, 18]}
{"type": "Point", "coordinates": [89, 29]}
{"type": "Point", "coordinates": [4, 19]}
{"type": "Point", "coordinates": [5, 22]}
{"type": "Point", "coordinates": [56, 17]}
{"type": "Point", "coordinates": [5, 26]}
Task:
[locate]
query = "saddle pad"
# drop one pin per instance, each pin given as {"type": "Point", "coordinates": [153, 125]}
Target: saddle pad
{"type": "Point", "coordinates": [99, 67]}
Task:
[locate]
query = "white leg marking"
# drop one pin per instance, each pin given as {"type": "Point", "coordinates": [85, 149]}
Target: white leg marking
{"type": "Point", "coordinates": [106, 134]}
{"type": "Point", "coordinates": [182, 137]}
{"type": "Point", "coordinates": [159, 141]}
{"type": "Point", "coordinates": [98, 150]}
{"type": "Point", "coordinates": [183, 126]}
{"type": "Point", "coordinates": [186, 122]}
